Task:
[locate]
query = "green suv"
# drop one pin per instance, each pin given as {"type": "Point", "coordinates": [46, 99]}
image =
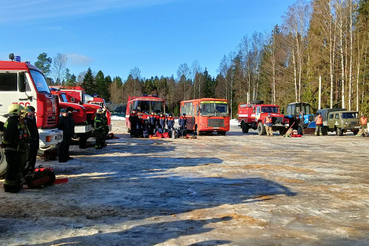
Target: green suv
{"type": "Point", "coordinates": [339, 121]}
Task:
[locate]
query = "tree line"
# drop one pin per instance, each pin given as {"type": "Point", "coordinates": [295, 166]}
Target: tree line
{"type": "Point", "coordinates": [318, 40]}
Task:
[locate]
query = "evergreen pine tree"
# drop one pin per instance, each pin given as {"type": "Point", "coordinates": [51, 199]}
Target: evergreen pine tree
{"type": "Point", "coordinates": [88, 82]}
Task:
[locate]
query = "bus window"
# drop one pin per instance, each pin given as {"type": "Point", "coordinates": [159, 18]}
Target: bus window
{"type": "Point", "coordinates": [188, 109]}
{"type": "Point", "coordinates": [214, 108]}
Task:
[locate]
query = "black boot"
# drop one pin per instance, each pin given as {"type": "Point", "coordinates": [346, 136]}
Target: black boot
{"type": "Point", "coordinates": [11, 188]}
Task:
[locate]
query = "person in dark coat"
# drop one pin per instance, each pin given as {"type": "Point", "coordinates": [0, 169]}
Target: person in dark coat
{"type": "Point", "coordinates": [72, 124]}
{"type": "Point", "coordinates": [161, 125]}
{"type": "Point", "coordinates": [183, 125]}
{"type": "Point", "coordinates": [105, 126]}
{"type": "Point", "coordinates": [152, 122]}
{"type": "Point", "coordinates": [34, 139]}
{"type": "Point", "coordinates": [170, 122]}
{"type": "Point", "coordinates": [98, 129]}
{"type": "Point", "coordinates": [133, 119]}
{"type": "Point", "coordinates": [12, 141]}
{"type": "Point", "coordinates": [64, 145]}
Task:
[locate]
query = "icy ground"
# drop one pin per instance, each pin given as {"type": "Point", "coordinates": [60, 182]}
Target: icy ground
{"type": "Point", "coordinates": [238, 189]}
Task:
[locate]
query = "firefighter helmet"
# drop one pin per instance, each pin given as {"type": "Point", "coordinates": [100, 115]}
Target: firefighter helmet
{"type": "Point", "coordinates": [31, 109]}
{"type": "Point", "coordinates": [14, 110]}
{"type": "Point", "coordinates": [23, 111]}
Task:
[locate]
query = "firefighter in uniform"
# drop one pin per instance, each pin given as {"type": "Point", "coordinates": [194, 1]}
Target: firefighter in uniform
{"type": "Point", "coordinates": [268, 125]}
{"type": "Point", "coordinates": [26, 140]}
{"type": "Point", "coordinates": [12, 142]}
{"type": "Point", "coordinates": [64, 145]}
{"type": "Point", "coordinates": [152, 122]}
{"type": "Point", "coordinates": [182, 125]}
{"type": "Point", "coordinates": [104, 119]}
{"type": "Point", "coordinates": [72, 124]}
{"type": "Point", "coordinates": [34, 139]}
{"type": "Point", "coordinates": [133, 119]}
{"type": "Point", "coordinates": [98, 129]}
{"type": "Point", "coordinates": [363, 126]}
{"type": "Point", "coordinates": [319, 125]}
{"type": "Point", "coordinates": [170, 122]}
{"type": "Point", "coordinates": [161, 123]}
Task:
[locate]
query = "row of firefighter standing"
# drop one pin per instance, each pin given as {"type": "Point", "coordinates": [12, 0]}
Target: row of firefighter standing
{"type": "Point", "coordinates": [21, 141]}
{"type": "Point", "coordinates": [157, 124]}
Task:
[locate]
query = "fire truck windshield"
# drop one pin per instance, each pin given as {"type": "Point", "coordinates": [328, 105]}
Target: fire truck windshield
{"type": "Point", "coordinates": [214, 108]}
{"type": "Point", "coordinates": [39, 81]}
{"type": "Point", "coordinates": [148, 106]}
{"type": "Point", "coordinates": [269, 109]}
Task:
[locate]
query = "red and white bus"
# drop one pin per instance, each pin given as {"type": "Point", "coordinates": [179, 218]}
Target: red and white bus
{"type": "Point", "coordinates": [206, 115]}
{"type": "Point", "coordinates": [144, 105]}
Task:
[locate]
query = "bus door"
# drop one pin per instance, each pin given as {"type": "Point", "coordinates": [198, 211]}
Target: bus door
{"type": "Point", "coordinates": [190, 116]}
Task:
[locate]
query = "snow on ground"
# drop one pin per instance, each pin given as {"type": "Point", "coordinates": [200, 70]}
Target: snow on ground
{"type": "Point", "coordinates": [238, 189]}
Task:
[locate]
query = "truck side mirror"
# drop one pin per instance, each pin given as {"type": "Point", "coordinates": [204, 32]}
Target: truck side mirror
{"type": "Point", "coordinates": [21, 82]}
{"type": "Point", "coordinates": [282, 110]}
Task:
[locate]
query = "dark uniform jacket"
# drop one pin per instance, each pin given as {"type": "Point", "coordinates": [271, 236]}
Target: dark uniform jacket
{"type": "Point", "coordinates": [170, 122]}
{"type": "Point", "coordinates": [133, 118]}
{"type": "Point", "coordinates": [162, 120]}
{"type": "Point", "coordinates": [34, 135]}
{"type": "Point", "coordinates": [64, 126]}
{"type": "Point", "coordinates": [72, 124]}
{"type": "Point", "coordinates": [98, 124]}
{"type": "Point", "coordinates": [182, 122]}
{"type": "Point", "coordinates": [12, 134]}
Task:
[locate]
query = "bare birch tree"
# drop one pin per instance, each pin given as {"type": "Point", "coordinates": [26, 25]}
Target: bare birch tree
{"type": "Point", "coordinates": [59, 65]}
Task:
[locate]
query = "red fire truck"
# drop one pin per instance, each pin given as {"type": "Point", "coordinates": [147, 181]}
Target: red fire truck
{"type": "Point", "coordinates": [206, 115]}
{"type": "Point", "coordinates": [25, 84]}
{"type": "Point", "coordinates": [76, 94]}
{"type": "Point", "coordinates": [82, 128]}
{"type": "Point", "coordinates": [253, 116]}
{"type": "Point", "coordinates": [144, 105]}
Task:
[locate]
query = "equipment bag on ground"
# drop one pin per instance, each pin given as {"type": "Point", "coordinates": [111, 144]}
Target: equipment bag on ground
{"type": "Point", "coordinates": [42, 176]}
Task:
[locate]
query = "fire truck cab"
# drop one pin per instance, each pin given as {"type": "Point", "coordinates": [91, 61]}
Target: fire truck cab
{"type": "Point", "coordinates": [82, 129]}
{"type": "Point", "coordinates": [24, 84]}
{"type": "Point", "coordinates": [254, 115]}
{"type": "Point", "coordinates": [76, 94]}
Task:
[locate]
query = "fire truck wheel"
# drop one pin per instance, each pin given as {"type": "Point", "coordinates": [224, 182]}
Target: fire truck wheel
{"type": "Point", "coordinates": [261, 129]}
{"type": "Point", "coordinates": [245, 127]}
{"type": "Point", "coordinates": [82, 142]}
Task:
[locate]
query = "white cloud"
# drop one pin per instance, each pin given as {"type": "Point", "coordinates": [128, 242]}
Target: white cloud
{"type": "Point", "coordinates": [20, 10]}
{"type": "Point", "coordinates": [79, 60]}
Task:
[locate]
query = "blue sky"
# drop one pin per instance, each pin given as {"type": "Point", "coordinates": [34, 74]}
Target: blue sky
{"type": "Point", "coordinates": [115, 36]}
